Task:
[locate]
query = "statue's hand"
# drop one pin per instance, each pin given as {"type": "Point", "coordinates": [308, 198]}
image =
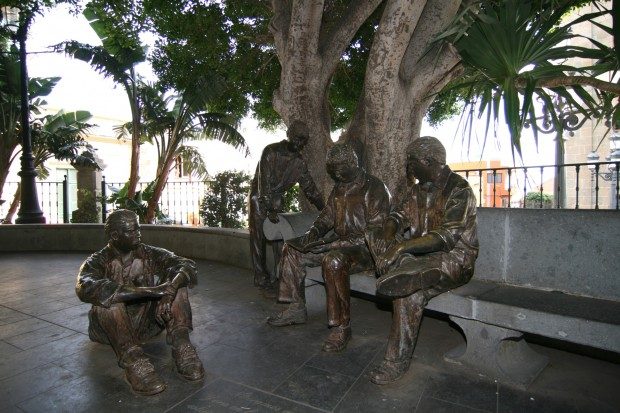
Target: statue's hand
{"type": "Point", "coordinates": [163, 312]}
{"type": "Point", "coordinates": [311, 236]}
{"type": "Point", "coordinates": [385, 261]}
{"type": "Point", "coordinates": [166, 289]}
{"type": "Point", "coordinates": [273, 216]}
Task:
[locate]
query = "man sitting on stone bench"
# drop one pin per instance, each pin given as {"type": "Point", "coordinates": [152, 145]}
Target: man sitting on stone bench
{"type": "Point", "coordinates": [136, 291]}
{"type": "Point", "coordinates": [357, 201]}
{"type": "Point", "coordinates": [440, 213]}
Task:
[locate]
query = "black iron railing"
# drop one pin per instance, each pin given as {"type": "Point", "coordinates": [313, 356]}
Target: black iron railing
{"type": "Point", "coordinates": [566, 186]}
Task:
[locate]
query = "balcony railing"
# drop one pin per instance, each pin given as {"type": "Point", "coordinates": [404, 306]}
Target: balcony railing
{"type": "Point", "coordinates": [566, 186]}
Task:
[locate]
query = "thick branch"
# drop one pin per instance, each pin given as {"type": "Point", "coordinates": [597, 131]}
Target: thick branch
{"type": "Point", "coordinates": [279, 24]}
{"type": "Point", "coordinates": [335, 42]}
{"type": "Point", "coordinates": [436, 16]}
{"type": "Point", "coordinates": [573, 81]}
{"type": "Point", "coordinates": [432, 72]}
{"type": "Point", "coordinates": [306, 18]}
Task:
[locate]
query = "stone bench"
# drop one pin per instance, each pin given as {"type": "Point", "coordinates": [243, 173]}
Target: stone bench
{"type": "Point", "coordinates": [552, 273]}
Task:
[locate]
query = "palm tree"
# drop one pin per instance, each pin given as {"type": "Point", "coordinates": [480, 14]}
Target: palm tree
{"type": "Point", "coordinates": [516, 52]}
{"type": "Point", "coordinates": [169, 122]}
{"type": "Point", "coordinates": [120, 52]}
{"type": "Point", "coordinates": [59, 136]}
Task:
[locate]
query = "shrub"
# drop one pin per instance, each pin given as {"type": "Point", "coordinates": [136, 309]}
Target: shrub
{"type": "Point", "coordinates": [225, 203]}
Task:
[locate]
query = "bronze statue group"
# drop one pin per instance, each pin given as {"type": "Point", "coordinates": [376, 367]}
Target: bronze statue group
{"type": "Point", "coordinates": [422, 246]}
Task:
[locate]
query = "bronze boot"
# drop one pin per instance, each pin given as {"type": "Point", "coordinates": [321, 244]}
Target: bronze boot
{"type": "Point", "coordinates": [388, 371]}
{"type": "Point", "coordinates": [142, 377]}
{"type": "Point", "coordinates": [187, 362]}
{"type": "Point", "coordinates": [337, 339]}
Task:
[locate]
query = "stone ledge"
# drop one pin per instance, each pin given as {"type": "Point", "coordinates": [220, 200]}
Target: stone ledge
{"type": "Point", "coordinates": [230, 246]}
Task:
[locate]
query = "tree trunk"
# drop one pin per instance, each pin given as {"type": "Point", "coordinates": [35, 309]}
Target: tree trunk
{"type": "Point", "coordinates": [14, 205]}
{"type": "Point", "coordinates": [162, 179]}
{"type": "Point", "coordinates": [134, 172]}
{"type": "Point", "coordinates": [404, 72]}
{"type": "Point", "coordinates": [308, 55]}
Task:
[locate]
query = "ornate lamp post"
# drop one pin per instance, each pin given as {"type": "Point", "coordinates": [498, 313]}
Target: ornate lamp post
{"type": "Point", "coordinates": [29, 210]}
{"type": "Point", "coordinates": [611, 174]}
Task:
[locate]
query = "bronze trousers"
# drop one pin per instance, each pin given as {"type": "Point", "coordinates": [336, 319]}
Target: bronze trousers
{"type": "Point", "coordinates": [436, 273]}
{"type": "Point", "coordinates": [124, 325]}
{"type": "Point", "coordinates": [336, 265]}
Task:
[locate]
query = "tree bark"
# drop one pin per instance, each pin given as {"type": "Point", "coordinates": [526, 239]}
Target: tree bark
{"type": "Point", "coordinates": [162, 179]}
{"type": "Point", "coordinates": [134, 173]}
{"type": "Point", "coordinates": [8, 219]}
{"type": "Point", "coordinates": [404, 72]}
{"type": "Point", "coordinates": [309, 55]}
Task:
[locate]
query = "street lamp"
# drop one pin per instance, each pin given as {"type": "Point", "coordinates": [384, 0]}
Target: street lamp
{"type": "Point", "coordinates": [611, 174]}
{"type": "Point", "coordinates": [29, 210]}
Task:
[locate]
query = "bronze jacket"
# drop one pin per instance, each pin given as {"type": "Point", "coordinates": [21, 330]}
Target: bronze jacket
{"type": "Point", "coordinates": [446, 210]}
{"type": "Point", "coordinates": [102, 273]}
{"type": "Point", "coordinates": [278, 170]}
{"type": "Point", "coordinates": [353, 207]}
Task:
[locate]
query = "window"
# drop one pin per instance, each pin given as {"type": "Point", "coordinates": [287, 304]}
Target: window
{"type": "Point", "coordinates": [498, 178]}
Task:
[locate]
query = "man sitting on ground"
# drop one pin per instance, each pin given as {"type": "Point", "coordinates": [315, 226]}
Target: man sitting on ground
{"type": "Point", "coordinates": [136, 291]}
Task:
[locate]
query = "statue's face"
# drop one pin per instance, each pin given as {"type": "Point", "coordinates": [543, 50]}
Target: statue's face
{"type": "Point", "coordinates": [127, 237]}
{"type": "Point", "coordinates": [343, 171]}
{"type": "Point", "coordinates": [297, 142]}
{"type": "Point", "coordinates": [419, 168]}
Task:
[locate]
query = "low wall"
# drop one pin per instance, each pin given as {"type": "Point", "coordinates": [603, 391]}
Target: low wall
{"type": "Point", "coordinates": [230, 246]}
{"type": "Point", "coordinates": [566, 250]}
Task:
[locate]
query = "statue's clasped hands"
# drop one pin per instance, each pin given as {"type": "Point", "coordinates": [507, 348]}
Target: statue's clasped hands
{"type": "Point", "coordinates": [168, 292]}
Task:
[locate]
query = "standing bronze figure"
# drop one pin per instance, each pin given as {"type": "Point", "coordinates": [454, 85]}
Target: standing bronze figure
{"type": "Point", "coordinates": [280, 168]}
{"type": "Point", "coordinates": [358, 201]}
{"type": "Point", "coordinates": [439, 255]}
{"type": "Point", "coordinates": [136, 291]}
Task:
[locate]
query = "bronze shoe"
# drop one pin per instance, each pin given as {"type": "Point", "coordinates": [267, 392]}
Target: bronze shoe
{"type": "Point", "coordinates": [187, 362]}
{"type": "Point", "coordinates": [388, 371]}
{"type": "Point", "coordinates": [337, 339]}
{"type": "Point", "coordinates": [293, 314]}
{"type": "Point", "coordinates": [143, 378]}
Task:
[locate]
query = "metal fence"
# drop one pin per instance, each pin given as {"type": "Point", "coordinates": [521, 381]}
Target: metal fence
{"type": "Point", "coordinates": [179, 201]}
{"type": "Point", "coordinates": [568, 186]}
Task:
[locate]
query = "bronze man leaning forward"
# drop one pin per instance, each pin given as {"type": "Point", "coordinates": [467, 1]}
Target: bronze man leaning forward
{"type": "Point", "coordinates": [136, 291]}
{"type": "Point", "coordinates": [439, 255]}
{"type": "Point", "coordinates": [357, 201]}
{"type": "Point", "coordinates": [280, 168]}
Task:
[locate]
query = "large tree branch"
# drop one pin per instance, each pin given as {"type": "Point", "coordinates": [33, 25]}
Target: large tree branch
{"type": "Point", "coordinates": [279, 25]}
{"type": "Point", "coordinates": [306, 18]}
{"type": "Point", "coordinates": [334, 43]}
{"type": "Point", "coordinates": [437, 14]}
{"type": "Point", "coordinates": [433, 71]}
{"type": "Point", "coordinates": [573, 81]}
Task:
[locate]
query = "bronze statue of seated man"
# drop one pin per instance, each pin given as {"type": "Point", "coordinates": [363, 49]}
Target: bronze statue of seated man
{"type": "Point", "coordinates": [440, 215]}
{"type": "Point", "coordinates": [136, 291]}
{"type": "Point", "coordinates": [357, 201]}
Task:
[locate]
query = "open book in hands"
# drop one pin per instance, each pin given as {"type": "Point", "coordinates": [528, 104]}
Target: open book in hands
{"type": "Point", "coordinates": [320, 245]}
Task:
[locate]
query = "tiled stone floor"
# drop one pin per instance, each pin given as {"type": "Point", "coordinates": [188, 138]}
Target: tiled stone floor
{"type": "Point", "coordinates": [47, 362]}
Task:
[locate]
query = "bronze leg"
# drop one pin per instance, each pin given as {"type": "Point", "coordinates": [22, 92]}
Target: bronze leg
{"type": "Point", "coordinates": [180, 322]}
{"type": "Point", "coordinates": [118, 328]}
{"type": "Point", "coordinates": [406, 321]}
{"type": "Point", "coordinates": [292, 276]}
{"type": "Point", "coordinates": [257, 240]}
{"type": "Point", "coordinates": [336, 267]}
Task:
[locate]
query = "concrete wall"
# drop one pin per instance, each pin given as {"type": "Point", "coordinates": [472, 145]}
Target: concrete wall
{"type": "Point", "coordinates": [565, 250]}
{"type": "Point", "coordinates": [230, 246]}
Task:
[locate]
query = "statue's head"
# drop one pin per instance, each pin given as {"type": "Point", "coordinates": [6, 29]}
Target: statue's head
{"type": "Point", "coordinates": [343, 162]}
{"type": "Point", "coordinates": [123, 230]}
{"type": "Point", "coordinates": [298, 135]}
{"type": "Point", "coordinates": [425, 156]}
